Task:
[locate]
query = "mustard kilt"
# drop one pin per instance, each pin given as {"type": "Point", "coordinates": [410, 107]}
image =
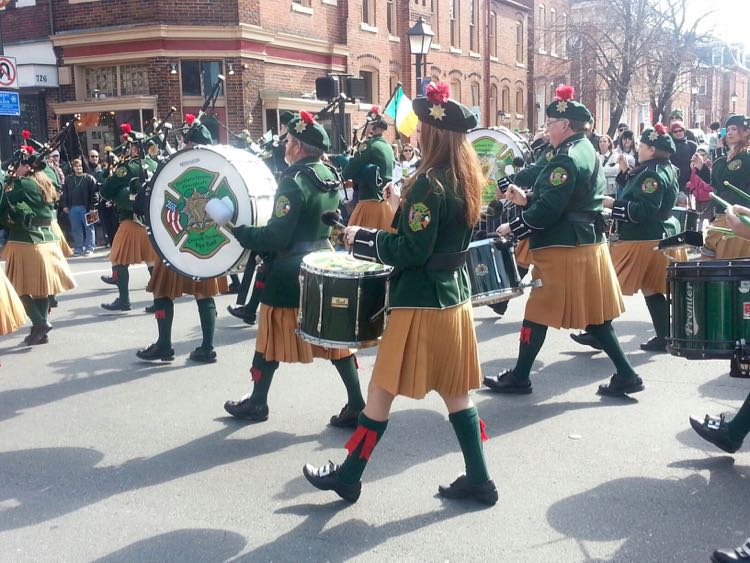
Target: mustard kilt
{"type": "Point", "coordinates": [131, 245]}
{"type": "Point", "coordinates": [165, 282]}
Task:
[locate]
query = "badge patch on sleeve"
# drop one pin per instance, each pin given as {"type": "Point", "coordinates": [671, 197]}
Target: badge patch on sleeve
{"type": "Point", "coordinates": [121, 171]}
{"type": "Point", "coordinates": [735, 165]}
{"type": "Point", "coordinates": [558, 176]}
{"type": "Point", "coordinates": [283, 207]}
{"type": "Point", "coordinates": [419, 217]}
{"type": "Point", "coordinates": [649, 186]}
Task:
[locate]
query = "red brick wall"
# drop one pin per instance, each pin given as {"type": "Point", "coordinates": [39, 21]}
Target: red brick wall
{"type": "Point", "coordinates": [24, 24]}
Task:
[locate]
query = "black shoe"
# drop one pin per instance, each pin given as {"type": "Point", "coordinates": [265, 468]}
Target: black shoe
{"type": "Point", "coordinates": [327, 478]}
{"type": "Point", "coordinates": [203, 355]}
{"type": "Point", "coordinates": [485, 493]}
{"type": "Point", "coordinates": [249, 319]}
{"type": "Point", "coordinates": [116, 305]}
{"type": "Point", "coordinates": [507, 382]}
{"type": "Point", "coordinates": [153, 353]}
{"type": "Point", "coordinates": [716, 431]}
{"type": "Point", "coordinates": [586, 339]}
{"type": "Point", "coordinates": [741, 553]}
{"type": "Point", "coordinates": [109, 280]}
{"type": "Point", "coordinates": [621, 386]}
{"type": "Point", "coordinates": [38, 334]}
{"type": "Point", "coordinates": [150, 309]}
{"type": "Point", "coordinates": [655, 344]}
{"type": "Point", "coordinates": [236, 311]}
{"type": "Point", "coordinates": [347, 418]}
{"type": "Point", "coordinates": [246, 410]}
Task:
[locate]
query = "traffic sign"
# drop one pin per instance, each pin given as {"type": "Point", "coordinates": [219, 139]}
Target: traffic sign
{"type": "Point", "coordinates": [10, 103]}
{"type": "Point", "coordinates": [8, 72]}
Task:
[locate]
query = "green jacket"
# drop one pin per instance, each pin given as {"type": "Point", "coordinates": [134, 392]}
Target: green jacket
{"type": "Point", "coordinates": [526, 177]}
{"type": "Point", "coordinates": [117, 187]}
{"type": "Point", "coordinates": [376, 151]}
{"type": "Point", "coordinates": [645, 208]}
{"type": "Point", "coordinates": [736, 172]}
{"type": "Point", "coordinates": [567, 196]}
{"type": "Point", "coordinates": [430, 221]}
{"type": "Point", "coordinates": [26, 215]}
{"type": "Point", "coordinates": [295, 229]}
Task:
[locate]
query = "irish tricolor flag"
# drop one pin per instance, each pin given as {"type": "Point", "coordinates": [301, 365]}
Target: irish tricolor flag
{"type": "Point", "coordinates": [399, 109]}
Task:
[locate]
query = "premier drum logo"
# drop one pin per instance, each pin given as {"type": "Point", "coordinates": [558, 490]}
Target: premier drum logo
{"type": "Point", "coordinates": [183, 212]}
{"type": "Point", "coordinates": [691, 323]}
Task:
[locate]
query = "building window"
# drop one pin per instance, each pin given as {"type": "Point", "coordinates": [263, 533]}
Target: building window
{"type": "Point", "coordinates": [133, 80]}
{"type": "Point", "coordinates": [473, 35]}
{"type": "Point", "coordinates": [519, 101]}
{"type": "Point", "coordinates": [368, 12]}
{"type": "Point", "coordinates": [452, 11]}
{"type": "Point", "coordinates": [505, 100]}
{"type": "Point", "coordinates": [456, 89]}
{"type": "Point", "coordinates": [305, 3]}
{"type": "Point", "coordinates": [390, 17]}
{"type": "Point", "coordinates": [199, 76]}
{"type": "Point", "coordinates": [540, 28]}
{"type": "Point", "coordinates": [101, 81]}
{"type": "Point", "coordinates": [108, 81]}
{"type": "Point", "coordinates": [475, 101]}
{"type": "Point", "coordinates": [493, 34]}
{"type": "Point", "coordinates": [519, 42]}
{"type": "Point", "coordinates": [563, 36]}
{"type": "Point", "coordinates": [371, 86]}
{"type": "Point", "coordinates": [549, 40]}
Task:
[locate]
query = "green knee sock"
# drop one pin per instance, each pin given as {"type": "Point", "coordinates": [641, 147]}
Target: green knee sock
{"type": "Point", "coordinates": [605, 335]}
{"type": "Point", "coordinates": [31, 311]}
{"type": "Point", "coordinates": [123, 280]}
{"type": "Point", "coordinates": [360, 446]}
{"type": "Point", "coordinates": [262, 372]}
{"type": "Point", "coordinates": [164, 314]}
{"type": "Point", "coordinates": [467, 425]}
{"type": "Point", "coordinates": [207, 314]}
{"type": "Point", "coordinates": [659, 311]}
{"type": "Point", "coordinates": [530, 342]}
{"type": "Point", "coordinates": [739, 426]}
{"type": "Point", "coordinates": [42, 305]}
{"type": "Point", "coordinates": [347, 368]}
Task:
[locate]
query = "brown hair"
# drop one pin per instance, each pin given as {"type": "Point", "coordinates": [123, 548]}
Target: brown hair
{"type": "Point", "coordinates": [49, 193]}
{"type": "Point", "coordinates": [77, 161]}
{"type": "Point", "coordinates": [743, 145]}
{"type": "Point", "coordinates": [610, 144]}
{"type": "Point", "coordinates": [452, 151]}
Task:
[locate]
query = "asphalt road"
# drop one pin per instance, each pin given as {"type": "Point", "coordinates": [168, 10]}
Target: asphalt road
{"type": "Point", "coordinates": [106, 458]}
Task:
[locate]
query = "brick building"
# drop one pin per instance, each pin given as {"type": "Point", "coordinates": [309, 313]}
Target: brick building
{"type": "Point", "coordinates": [169, 53]}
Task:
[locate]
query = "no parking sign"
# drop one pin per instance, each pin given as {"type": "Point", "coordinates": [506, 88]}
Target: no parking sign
{"type": "Point", "coordinates": [8, 72]}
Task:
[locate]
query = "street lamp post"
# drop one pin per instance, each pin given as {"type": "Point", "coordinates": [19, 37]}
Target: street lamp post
{"type": "Point", "coordinates": [694, 102]}
{"type": "Point", "coordinates": [420, 38]}
{"type": "Point", "coordinates": [734, 101]}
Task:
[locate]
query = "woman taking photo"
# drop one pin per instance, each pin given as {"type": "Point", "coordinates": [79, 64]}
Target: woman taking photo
{"type": "Point", "coordinates": [608, 161]}
{"type": "Point", "coordinates": [408, 160]}
{"type": "Point", "coordinates": [429, 343]}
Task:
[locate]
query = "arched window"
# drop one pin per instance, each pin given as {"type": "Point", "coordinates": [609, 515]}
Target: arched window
{"type": "Point", "coordinates": [456, 89]}
{"type": "Point", "coordinates": [540, 28]}
{"type": "Point", "coordinates": [494, 107]}
{"type": "Point", "coordinates": [475, 101]}
{"type": "Point", "coordinates": [372, 84]}
{"type": "Point", "coordinates": [505, 100]}
{"type": "Point", "coordinates": [520, 106]}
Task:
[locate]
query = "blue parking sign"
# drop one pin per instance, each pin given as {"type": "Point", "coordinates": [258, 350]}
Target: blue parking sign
{"type": "Point", "coordinates": [10, 103]}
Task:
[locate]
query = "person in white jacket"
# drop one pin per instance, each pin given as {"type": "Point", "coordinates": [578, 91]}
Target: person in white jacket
{"type": "Point", "coordinates": [608, 162]}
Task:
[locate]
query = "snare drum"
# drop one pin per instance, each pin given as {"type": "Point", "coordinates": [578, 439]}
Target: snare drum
{"type": "Point", "coordinates": [492, 272]}
{"type": "Point", "coordinates": [342, 300]}
{"type": "Point", "coordinates": [710, 308]}
{"type": "Point", "coordinates": [687, 218]}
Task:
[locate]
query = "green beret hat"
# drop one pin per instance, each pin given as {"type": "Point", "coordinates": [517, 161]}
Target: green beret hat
{"type": "Point", "coordinates": [658, 137]}
{"type": "Point", "coordinates": [304, 128]}
{"type": "Point", "coordinates": [199, 135]}
{"type": "Point", "coordinates": [440, 110]}
{"type": "Point", "coordinates": [565, 107]}
{"type": "Point", "coordinates": [738, 120]}
{"type": "Point", "coordinates": [376, 119]}
{"type": "Point", "coordinates": [677, 113]}
{"type": "Point", "coordinates": [286, 117]}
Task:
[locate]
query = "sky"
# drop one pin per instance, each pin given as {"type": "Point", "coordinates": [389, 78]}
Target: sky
{"type": "Point", "coordinates": [729, 18]}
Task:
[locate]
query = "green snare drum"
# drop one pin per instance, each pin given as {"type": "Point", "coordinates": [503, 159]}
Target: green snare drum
{"type": "Point", "coordinates": [710, 308]}
{"type": "Point", "coordinates": [342, 300]}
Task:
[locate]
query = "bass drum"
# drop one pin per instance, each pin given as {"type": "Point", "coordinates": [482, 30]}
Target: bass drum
{"type": "Point", "coordinates": [184, 236]}
{"type": "Point", "coordinates": [496, 148]}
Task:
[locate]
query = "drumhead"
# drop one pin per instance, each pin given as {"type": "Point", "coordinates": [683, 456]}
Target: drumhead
{"type": "Point", "coordinates": [342, 264]}
{"type": "Point", "coordinates": [186, 239]}
{"type": "Point", "coordinates": [496, 148]}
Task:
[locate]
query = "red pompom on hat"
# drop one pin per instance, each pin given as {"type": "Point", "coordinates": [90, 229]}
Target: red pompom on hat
{"type": "Point", "coordinates": [189, 118]}
{"type": "Point", "coordinates": [307, 117]}
{"type": "Point", "coordinates": [375, 110]}
{"type": "Point", "coordinates": [564, 92]}
{"type": "Point", "coordinates": [125, 129]}
{"type": "Point", "coordinates": [27, 149]}
{"type": "Point", "coordinates": [26, 134]}
{"type": "Point", "coordinates": [438, 92]}
{"type": "Point", "coordinates": [660, 129]}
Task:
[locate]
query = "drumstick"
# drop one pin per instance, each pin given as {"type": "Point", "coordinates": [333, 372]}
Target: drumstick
{"type": "Point", "coordinates": [738, 191]}
{"type": "Point", "coordinates": [332, 219]}
{"type": "Point", "coordinates": [721, 230]}
{"type": "Point", "coordinates": [744, 218]}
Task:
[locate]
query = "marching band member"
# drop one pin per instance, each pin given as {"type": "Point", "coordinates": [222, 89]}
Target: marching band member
{"type": "Point", "coordinates": [35, 264]}
{"type": "Point", "coordinates": [570, 253]}
{"type": "Point", "coordinates": [12, 311]}
{"type": "Point", "coordinates": [429, 342]}
{"type": "Point", "coordinates": [131, 244]}
{"type": "Point", "coordinates": [167, 285]}
{"type": "Point", "coordinates": [644, 211]}
{"type": "Point", "coordinates": [306, 190]}
{"type": "Point", "coordinates": [734, 168]}
{"type": "Point", "coordinates": [371, 168]}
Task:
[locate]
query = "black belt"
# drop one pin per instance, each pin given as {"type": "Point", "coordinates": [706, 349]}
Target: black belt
{"type": "Point", "coordinates": [303, 247]}
{"type": "Point", "coordinates": [589, 217]}
{"type": "Point", "coordinates": [446, 260]}
{"type": "Point", "coordinates": [41, 222]}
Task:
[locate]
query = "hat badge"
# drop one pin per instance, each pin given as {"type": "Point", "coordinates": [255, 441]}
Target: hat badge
{"type": "Point", "coordinates": [653, 136]}
{"type": "Point", "coordinates": [300, 127]}
{"type": "Point", "coordinates": [437, 112]}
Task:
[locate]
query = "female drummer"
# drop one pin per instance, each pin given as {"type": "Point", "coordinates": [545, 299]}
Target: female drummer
{"type": "Point", "coordinates": [429, 342]}
{"type": "Point", "coordinates": [34, 261]}
{"type": "Point", "coordinates": [734, 167]}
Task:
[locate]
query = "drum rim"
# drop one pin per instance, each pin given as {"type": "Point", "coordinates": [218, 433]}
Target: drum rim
{"type": "Point", "coordinates": [335, 343]}
{"type": "Point", "coordinates": [505, 243]}
{"type": "Point", "coordinates": [386, 271]}
{"type": "Point", "coordinates": [488, 297]}
{"type": "Point", "coordinates": [147, 218]}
